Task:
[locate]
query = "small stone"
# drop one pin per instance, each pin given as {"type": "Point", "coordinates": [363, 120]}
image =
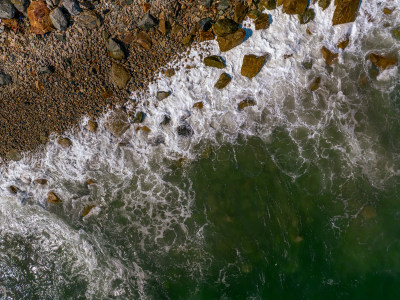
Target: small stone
{"type": "Point", "coordinates": [139, 117]}
{"type": "Point", "coordinates": [119, 76]}
{"type": "Point", "coordinates": [148, 21]}
{"type": "Point", "coordinates": [198, 105]}
{"type": "Point", "coordinates": [185, 130]}
{"type": "Point", "coordinates": [240, 12]}
{"type": "Point", "coordinates": [382, 62]}
{"type": "Point", "coordinates": [345, 12]}
{"type": "Point", "coordinates": [246, 103]}
{"type": "Point", "coordinates": [89, 19]}
{"type": "Point", "coordinates": [307, 64]}
{"type": "Point", "coordinates": [176, 29]}
{"type": "Point", "coordinates": [169, 73]}
{"type": "Point", "coordinates": [252, 64]}
{"type": "Point", "coordinates": [7, 10]}
{"type": "Point", "coordinates": [324, 4]}
{"type": "Point", "coordinates": [223, 27]}
{"type": "Point", "coordinates": [294, 7]}
{"type": "Point", "coordinates": [307, 16]}
{"type": "Point", "coordinates": [205, 24]}
{"type": "Point", "coordinates": [343, 44]}
{"type": "Point", "coordinates": [92, 126]}
{"type": "Point", "coordinates": [230, 41]}
{"type": "Point", "coordinates": [223, 81]}
{"type": "Point", "coordinates": [114, 50]}
{"type": "Point", "coordinates": [117, 123]}
{"type": "Point", "coordinates": [53, 198]}
{"type": "Point", "coordinates": [163, 95]}
{"type": "Point", "coordinates": [40, 181]}
{"type": "Point", "coordinates": [87, 210]}
{"type": "Point", "coordinates": [214, 61]}
{"type": "Point", "coordinates": [105, 35]}
{"type": "Point", "coordinates": [262, 22]}
{"type": "Point", "coordinates": [64, 142]}
{"type": "Point", "coordinates": [39, 17]}
{"type": "Point", "coordinates": [72, 6]}
{"type": "Point", "coordinates": [329, 56]}
{"type": "Point", "coordinates": [58, 19]}
{"type": "Point", "coordinates": [315, 84]}
{"type": "Point", "coordinates": [188, 40]}
{"type": "Point", "coordinates": [21, 5]}
{"type": "Point", "coordinates": [5, 79]}
{"type": "Point", "coordinates": [144, 40]}
{"type": "Point", "coordinates": [206, 3]}
{"type": "Point", "coordinates": [14, 155]}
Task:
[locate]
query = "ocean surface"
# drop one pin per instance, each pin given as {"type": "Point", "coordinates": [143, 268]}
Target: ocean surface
{"type": "Point", "coordinates": [296, 197]}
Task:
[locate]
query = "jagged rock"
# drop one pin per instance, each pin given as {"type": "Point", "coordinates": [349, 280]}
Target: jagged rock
{"type": "Point", "coordinates": [53, 198]}
{"type": "Point", "coordinates": [117, 123]}
{"type": "Point", "coordinates": [214, 61]}
{"type": "Point", "coordinates": [328, 55]}
{"type": "Point", "coordinates": [39, 17]}
{"type": "Point", "coordinates": [88, 19]}
{"type": "Point", "coordinates": [163, 95]}
{"type": "Point", "coordinates": [262, 22]}
{"type": "Point", "coordinates": [307, 16]}
{"type": "Point", "coordinates": [58, 19]}
{"type": "Point", "coordinates": [345, 12]}
{"type": "Point", "coordinates": [230, 41]}
{"type": "Point", "coordinates": [5, 79]}
{"type": "Point", "coordinates": [41, 181]}
{"type": "Point", "coordinates": [268, 4]}
{"type": "Point", "coordinates": [206, 3]}
{"type": "Point", "coordinates": [92, 126]}
{"type": "Point", "coordinates": [240, 12]}
{"type": "Point", "coordinates": [7, 10]}
{"type": "Point", "coordinates": [315, 84]}
{"type": "Point", "coordinates": [185, 130]}
{"type": "Point", "coordinates": [119, 76]}
{"type": "Point", "coordinates": [294, 7]}
{"type": "Point", "coordinates": [205, 24]}
{"type": "Point", "coordinates": [115, 50]}
{"type": "Point", "coordinates": [246, 103]}
{"type": "Point", "coordinates": [223, 81]}
{"type": "Point", "coordinates": [21, 5]}
{"type": "Point", "coordinates": [198, 105]}
{"type": "Point", "coordinates": [343, 44]}
{"type": "Point", "coordinates": [324, 4]}
{"type": "Point", "coordinates": [14, 155]}
{"type": "Point", "coordinates": [148, 21]}
{"type": "Point", "coordinates": [64, 142]}
{"type": "Point", "coordinates": [223, 27]}
{"type": "Point", "coordinates": [72, 6]}
{"type": "Point", "coordinates": [51, 4]}
{"type": "Point", "coordinates": [382, 62]}
{"type": "Point", "coordinates": [139, 117]}
{"type": "Point", "coordinates": [144, 40]}
{"type": "Point", "coordinates": [252, 64]}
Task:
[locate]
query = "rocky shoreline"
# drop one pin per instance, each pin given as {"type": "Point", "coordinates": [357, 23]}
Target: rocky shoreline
{"type": "Point", "coordinates": [61, 61]}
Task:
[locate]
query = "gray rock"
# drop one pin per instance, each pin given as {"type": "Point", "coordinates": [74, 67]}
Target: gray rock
{"type": "Point", "coordinates": [58, 19]}
{"type": "Point", "coordinates": [205, 24]}
{"type": "Point", "coordinates": [147, 22]}
{"type": "Point", "coordinates": [72, 6]}
{"type": "Point", "coordinates": [206, 3]}
{"type": "Point", "coordinates": [5, 79]}
{"type": "Point", "coordinates": [7, 10]}
{"type": "Point", "coordinates": [21, 5]}
{"type": "Point", "coordinates": [51, 4]}
{"type": "Point", "coordinates": [114, 50]}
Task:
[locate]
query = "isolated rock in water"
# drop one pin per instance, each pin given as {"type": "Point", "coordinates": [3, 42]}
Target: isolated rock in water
{"type": "Point", "coordinates": [147, 22]}
{"type": "Point", "coordinates": [163, 95]}
{"type": "Point", "coordinates": [252, 64]}
{"type": "Point", "coordinates": [214, 61]}
{"type": "Point", "coordinates": [315, 84]}
{"type": "Point", "coordinates": [7, 10]}
{"type": "Point", "coordinates": [88, 19]}
{"type": "Point", "coordinates": [169, 73]}
{"type": "Point", "coordinates": [53, 198]}
{"type": "Point", "coordinates": [119, 76]}
{"type": "Point", "coordinates": [185, 130]}
{"type": "Point", "coordinates": [20, 5]}
{"type": "Point", "coordinates": [72, 6]}
{"type": "Point", "coordinates": [328, 55]}
{"type": "Point", "coordinates": [230, 41]}
{"type": "Point", "coordinates": [205, 24]}
{"type": "Point", "coordinates": [307, 16]}
{"type": "Point", "coordinates": [268, 4]}
{"type": "Point", "coordinates": [223, 81]}
{"type": "Point", "coordinates": [387, 11]}
{"type": "Point", "coordinates": [58, 19]}
{"type": "Point", "coordinates": [92, 126]}
{"type": "Point", "coordinates": [64, 142]}
{"type": "Point", "coordinates": [382, 62]}
{"type": "Point", "coordinates": [294, 7]}
{"type": "Point", "coordinates": [144, 40]}
{"type": "Point", "coordinates": [223, 27]}
{"type": "Point", "coordinates": [114, 50]}
{"type": "Point", "coordinates": [117, 123]}
{"type": "Point", "coordinates": [39, 17]}
{"type": "Point", "coordinates": [14, 155]}
{"type": "Point", "coordinates": [246, 103]}
{"type": "Point", "coordinates": [262, 22]}
{"type": "Point", "coordinates": [345, 12]}
{"type": "Point", "coordinates": [324, 4]}
{"type": "Point", "coordinates": [5, 79]}
{"type": "Point", "coordinates": [240, 12]}
{"type": "Point", "coordinates": [188, 40]}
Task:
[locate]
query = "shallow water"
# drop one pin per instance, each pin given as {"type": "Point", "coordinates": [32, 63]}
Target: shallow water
{"type": "Point", "coordinates": [297, 196]}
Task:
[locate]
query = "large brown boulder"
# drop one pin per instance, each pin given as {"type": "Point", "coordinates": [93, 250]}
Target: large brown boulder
{"type": "Point", "coordinates": [230, 41]}
{"type": "Point", "coordinates": [39, 17]}
{"type": "Point", "coordinates": [345, 12]}
{"type": "Point", "coordinates": [382, 62]}
{"type": "Point", "coordinates": [294, 7]}
{"type": "Point", "coordinates": [252, 64]}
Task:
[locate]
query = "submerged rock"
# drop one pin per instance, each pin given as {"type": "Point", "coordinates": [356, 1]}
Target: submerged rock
{"type": "Point", "coordinates": [252, 64]}
{"type": "Point", "coordinates": [315, 84]}
{"type": "Point", "coordinates": [294, 7]}
{"type": "Point", "coordinates": [119, 76]}
{"type": "Point", "coordinates": [223, 81]}
{"type": "Point", "coordinates": [39, 17]}
{"type": "Point", "coordinates": [223, 27]}
{"type": "Point", "coordinates": [92, 126]}
{"type": "Point", "coordinates": [345, 12]}
{"type": "Point", "coordinates": [230, 41]}
{"type": "Point", "coordinates": [117, 123]}
{"type": "Point", "coordinates": [13, 189]}
{"type": "Point", "coordinates": [139, 117]}
{"type": "Point", "coordinates": [166, 120]}
{"type": "Point", "coordinates": [53, 198]}
{"type": "Point", "coordinates": [382, 62]}
{"type": "Point", "coordinates": [329, 56]}
{"type": "Point", "coordinates": [262, 22]}
{"type": "Point", "coordinates": [214, 61]}
{"type": "Point", "coordinates": [343, 44]}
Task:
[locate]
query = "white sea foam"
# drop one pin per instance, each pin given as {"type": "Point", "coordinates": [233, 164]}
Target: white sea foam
{"type": "Point", "coordinates": [131, 177]}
